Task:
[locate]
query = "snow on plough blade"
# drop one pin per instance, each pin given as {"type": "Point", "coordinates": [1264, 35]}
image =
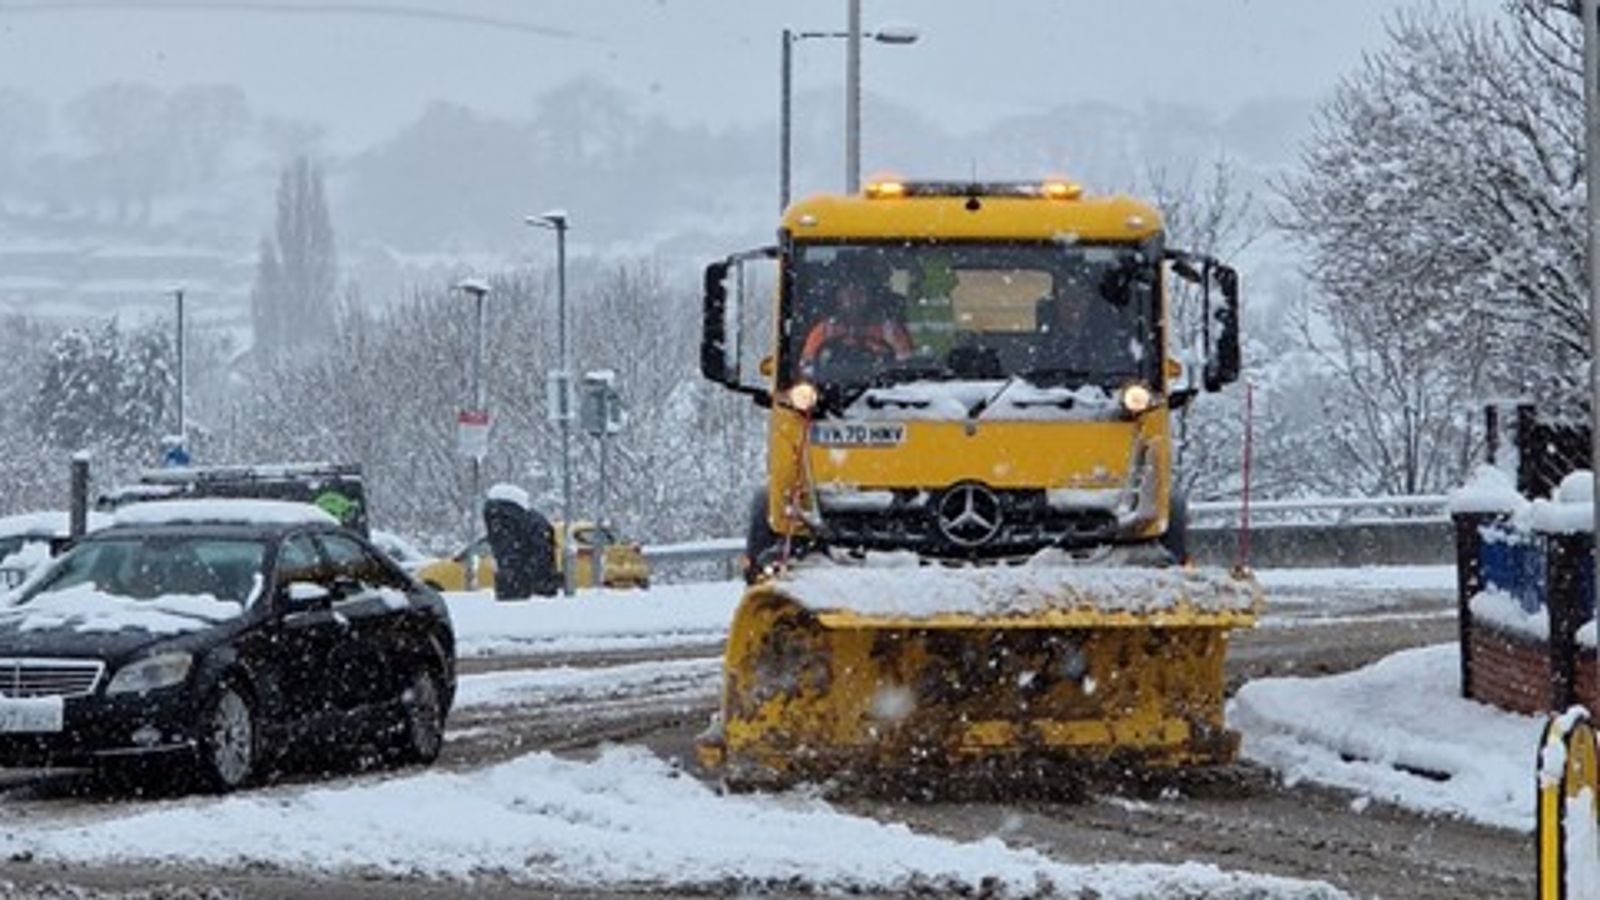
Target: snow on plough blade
{"type": "Point", "coordinates": [845, 669]}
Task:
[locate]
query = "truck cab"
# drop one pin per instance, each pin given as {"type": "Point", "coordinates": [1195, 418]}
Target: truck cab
{"type": "Point", "coordinates": [972, 370]}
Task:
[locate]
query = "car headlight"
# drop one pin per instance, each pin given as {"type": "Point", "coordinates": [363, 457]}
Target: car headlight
{"type": "Point", "coordinates": [151, 673]}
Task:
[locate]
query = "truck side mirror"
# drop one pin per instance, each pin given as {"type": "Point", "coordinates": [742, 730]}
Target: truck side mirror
{"type": "Point", "coordinates": [714, 356]}
{"type": "Point", "coordinates": [720, 319]}
{"type": "Point", "coordinates": [1224, 359]}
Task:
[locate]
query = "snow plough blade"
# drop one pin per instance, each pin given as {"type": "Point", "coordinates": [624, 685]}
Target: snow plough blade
{"type": "Point", "coordinates": [874, 671]}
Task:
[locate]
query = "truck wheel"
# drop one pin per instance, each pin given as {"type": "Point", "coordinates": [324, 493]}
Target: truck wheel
{"type": "Point", "coordinates": [759, 539]}
{"type": "Point", "coordinates": [1176, 538]}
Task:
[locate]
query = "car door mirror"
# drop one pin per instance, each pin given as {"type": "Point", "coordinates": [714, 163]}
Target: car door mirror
{"type": "Point", "coordinates": [307, 595]}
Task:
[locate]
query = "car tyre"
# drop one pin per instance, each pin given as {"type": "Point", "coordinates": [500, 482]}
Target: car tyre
{"type": "Point", "coordinates": [230, 741]}
{"type": "Point", "coordinates": [420, 735]}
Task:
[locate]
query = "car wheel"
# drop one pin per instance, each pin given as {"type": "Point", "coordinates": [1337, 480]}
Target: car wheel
{"type": "Point", "coordinates": [421, 733]}
{"type": "Point", "coordinates": [230, 742]}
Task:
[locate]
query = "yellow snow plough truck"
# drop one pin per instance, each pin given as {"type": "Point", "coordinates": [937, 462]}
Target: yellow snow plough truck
{"type": "Point", "coordinates": [969, 550]}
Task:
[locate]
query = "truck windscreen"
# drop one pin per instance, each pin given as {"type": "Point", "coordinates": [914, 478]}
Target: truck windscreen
{"type": "Point", "coordinates": [1052, 313]}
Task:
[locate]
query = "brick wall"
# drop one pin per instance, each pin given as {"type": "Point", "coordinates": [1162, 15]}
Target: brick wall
{"type": "Point", "coordinates": [1512, 671]}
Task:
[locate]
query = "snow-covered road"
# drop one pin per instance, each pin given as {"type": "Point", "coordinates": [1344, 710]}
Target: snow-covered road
{"type": "Point", "coordinates": [509, 804]}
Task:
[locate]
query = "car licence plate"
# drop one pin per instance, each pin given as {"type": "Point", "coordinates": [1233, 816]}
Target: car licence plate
{"type": "Point", "coordinates": [858, 434]}
{"type": "Point", "coordinates": [31, 715]}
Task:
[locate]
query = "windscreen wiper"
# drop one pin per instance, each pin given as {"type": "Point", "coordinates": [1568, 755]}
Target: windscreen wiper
{"type": "Point", "coordinates": [983, 405]}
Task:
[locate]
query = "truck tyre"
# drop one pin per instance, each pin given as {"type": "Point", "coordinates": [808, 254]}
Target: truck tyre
{"type": "Point", "coordinates": [1176, 538]}
{"type": "Point", "coordinates": [760, 541]}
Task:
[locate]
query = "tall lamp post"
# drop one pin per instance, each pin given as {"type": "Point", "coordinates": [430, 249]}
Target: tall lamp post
{"type": "Point", "coordinates": [888, 34]}
{"type": "Point", "coordinates": [473, 425]}
{"type": "Point", "coordinates": [556, 220]}
{"type": "Point", "coordinates": [1590, 9]}
{"type": "Point", "coordinates": [183, 423]}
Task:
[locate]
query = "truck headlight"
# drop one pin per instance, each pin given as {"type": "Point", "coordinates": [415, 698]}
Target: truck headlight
{"type": "Point", "coordinates": [1136, 398]}
{"type": "Point", "coordinates": [151, 673]}
{"type": "Point", "coordinates": [803, 397]}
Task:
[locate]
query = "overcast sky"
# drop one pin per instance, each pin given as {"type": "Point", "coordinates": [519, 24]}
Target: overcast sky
{"type": "Point", "coordinates": [364, 73]}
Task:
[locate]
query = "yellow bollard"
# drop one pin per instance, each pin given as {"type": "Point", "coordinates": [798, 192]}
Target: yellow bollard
{"type": "Point", "coordinates": [1568, 829]}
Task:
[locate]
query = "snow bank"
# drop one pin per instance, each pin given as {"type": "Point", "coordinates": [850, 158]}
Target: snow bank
{"type": "Point", "coordinates": [664, 616]}
{"type": "Point", "coordinates": [1397, 731]}
{"type": "Point", "coordinates": [625, 822]}
{"type": "Point", "coordinates": [897, 585]}
{"type": "Point", "coordinates": [223, 511]}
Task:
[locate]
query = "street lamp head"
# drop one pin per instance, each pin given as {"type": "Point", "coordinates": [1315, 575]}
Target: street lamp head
{"type": "Point", "coordinates": [553, 218]}
{"type": "Point", "coordinates": [897, 33]}
{"type": "Point", "coordinates": [477, 287]}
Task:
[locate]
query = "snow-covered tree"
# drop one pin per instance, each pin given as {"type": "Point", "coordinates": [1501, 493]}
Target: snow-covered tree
{"type": "Point", "coordinates": [107, 390]}
{"type": "Point", "coordinates": [295, 297]}
{"type": "Point", "coordinates": [1441, 208]}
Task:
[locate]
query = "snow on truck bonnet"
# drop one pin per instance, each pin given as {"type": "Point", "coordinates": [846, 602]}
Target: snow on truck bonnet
{"type": "Point", "coordinates": [891, 584]}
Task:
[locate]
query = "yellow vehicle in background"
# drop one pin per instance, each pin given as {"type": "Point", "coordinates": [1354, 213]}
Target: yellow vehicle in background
{"type": "Point", "coordinates": [969, 548]}
{"type": "Point", "coordinates": [624, 563]}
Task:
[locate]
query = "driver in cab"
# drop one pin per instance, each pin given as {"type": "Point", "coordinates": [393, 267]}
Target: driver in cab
{"type": "Point", "coordinates": [859, 333]}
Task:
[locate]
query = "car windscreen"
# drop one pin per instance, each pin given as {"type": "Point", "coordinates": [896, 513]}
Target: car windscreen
{"type": "Point", "coordinates": [147, 568]}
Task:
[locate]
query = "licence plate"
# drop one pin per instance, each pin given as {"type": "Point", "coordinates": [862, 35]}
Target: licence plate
{"type": "Point", "coordinates": [31, 715]}
{"type": "Point", "coordinates": [858, 434]}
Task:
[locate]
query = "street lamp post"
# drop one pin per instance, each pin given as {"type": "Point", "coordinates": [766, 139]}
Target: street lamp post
{"type": "Point", "coordinates": [183, 424]}
{"type": "Point", "coordinates": [1590, 11]}
{"type": "Point", "coordinates": [477, 289]}
{"type": "Point", "coordinates": [556, 220]}
{"type": "Point", "coordinates": [888, 34]}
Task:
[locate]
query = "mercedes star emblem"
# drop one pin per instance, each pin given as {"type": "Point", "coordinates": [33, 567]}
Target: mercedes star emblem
{"type": "Point", "coordinates": [969, 514]}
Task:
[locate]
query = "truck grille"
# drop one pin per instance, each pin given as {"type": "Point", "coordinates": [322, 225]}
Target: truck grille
{"type": "Point", "coordinates": [1027, 523]}
{"type": "Point", "coordinates": [49, 677]}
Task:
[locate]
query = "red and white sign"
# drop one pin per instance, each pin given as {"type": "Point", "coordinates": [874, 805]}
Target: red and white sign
{"type": "Point", "coordinates": [472, 433]}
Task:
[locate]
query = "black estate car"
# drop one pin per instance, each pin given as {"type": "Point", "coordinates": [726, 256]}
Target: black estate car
{"type": "Point", "coordinates": [222, 633]}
